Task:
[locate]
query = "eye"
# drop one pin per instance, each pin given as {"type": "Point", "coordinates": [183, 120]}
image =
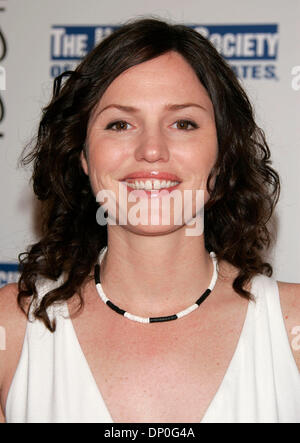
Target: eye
{"type": "Point", "coordinates": [119, 125]}
{"type": "Point", "coordinates": [186, 125]}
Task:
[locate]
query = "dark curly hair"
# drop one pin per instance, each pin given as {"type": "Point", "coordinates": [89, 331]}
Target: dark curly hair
{"type": "Point", "coordinates": [241, 202]}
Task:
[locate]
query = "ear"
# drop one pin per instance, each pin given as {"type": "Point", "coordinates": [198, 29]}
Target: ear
{"type": "Point", "coordinates": [84, 163]}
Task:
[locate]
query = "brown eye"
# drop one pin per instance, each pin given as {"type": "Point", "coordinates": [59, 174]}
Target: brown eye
{"type": "Point", "coordinates": [118, 126]}
{"type": "Point", "coordinates": [186, 125]}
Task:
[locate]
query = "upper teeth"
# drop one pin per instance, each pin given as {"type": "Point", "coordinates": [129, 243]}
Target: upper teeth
{"type": "Point", "coordinates": [149, 184]}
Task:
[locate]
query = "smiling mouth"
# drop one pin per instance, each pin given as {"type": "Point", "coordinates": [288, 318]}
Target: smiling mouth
{"type": "Point", "coordinates": [149, 187]}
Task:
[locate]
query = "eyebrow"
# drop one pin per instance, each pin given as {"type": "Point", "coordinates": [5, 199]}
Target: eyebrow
{"type": "Point", "coordinates": [170, 107]}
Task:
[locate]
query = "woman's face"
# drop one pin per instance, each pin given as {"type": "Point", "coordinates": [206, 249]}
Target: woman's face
{"type": "Point", "coordinates": [153, 127]}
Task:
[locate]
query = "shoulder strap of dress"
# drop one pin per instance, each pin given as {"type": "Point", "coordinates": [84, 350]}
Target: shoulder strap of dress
{"type": "Point", "coordinates": [43, 286]}
{"type": "Point", "coordinates": [269, 309]}
{"type": "Point", "coordinates": [285, 371]}
{"type": "Point", "coordinates": [265, 291]}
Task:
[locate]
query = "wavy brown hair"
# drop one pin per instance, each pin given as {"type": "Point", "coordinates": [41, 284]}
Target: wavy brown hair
{"type": "Point", "coordinates": [241, 202]}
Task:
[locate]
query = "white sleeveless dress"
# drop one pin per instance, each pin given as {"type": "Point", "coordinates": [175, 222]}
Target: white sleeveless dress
{"type": "Point", "coordinates": [54, 384]}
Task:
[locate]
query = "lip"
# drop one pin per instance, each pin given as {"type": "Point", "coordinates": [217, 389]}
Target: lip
{"type": "Point", "coordinates": [152, 174]}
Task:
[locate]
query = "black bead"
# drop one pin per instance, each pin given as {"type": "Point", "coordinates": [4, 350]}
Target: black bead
{"type": "Point", "coordinates": [203, 297]}
{"type": "Point", "coordinates": [115, 308]}
{"type": "Point", "coordinates": [97, 274]}
{"type": "Point", "coordinates": [159, 319]}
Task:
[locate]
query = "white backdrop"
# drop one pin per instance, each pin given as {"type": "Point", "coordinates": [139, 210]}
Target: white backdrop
{"type": "Point", "coordinates": [266, 37]}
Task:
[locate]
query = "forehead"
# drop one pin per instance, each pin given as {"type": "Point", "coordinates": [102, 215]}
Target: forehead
{"type": "Point", "coordinates": [168, 77]}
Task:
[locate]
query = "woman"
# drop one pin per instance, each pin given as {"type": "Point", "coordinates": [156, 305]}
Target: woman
{"type": "Point", "coordinates": [152, 108]}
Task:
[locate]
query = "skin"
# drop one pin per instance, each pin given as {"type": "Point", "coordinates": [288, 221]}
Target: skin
{"type": "Point", "coordinates": [171, 371]}
{"type": "Point", "coordinates": [153, 141]}
{"type": "Point", "coordinates": [152, 138]}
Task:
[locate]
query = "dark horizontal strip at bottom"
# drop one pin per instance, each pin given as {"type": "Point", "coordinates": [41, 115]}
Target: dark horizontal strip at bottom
{"type": "Point", "coordinates": [159, 319]}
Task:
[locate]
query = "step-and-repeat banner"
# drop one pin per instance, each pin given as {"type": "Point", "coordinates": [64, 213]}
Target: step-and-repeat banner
{"type": "Point", "coordinates": [41, 39]}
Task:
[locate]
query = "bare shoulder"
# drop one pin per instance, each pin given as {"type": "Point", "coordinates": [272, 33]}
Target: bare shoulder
{"type": "Point", "coordinates": [8, 291]}
{"type": "Point", "coordinates": [12, 330]}
{"type": "Point", "coordinates": [290, 304]}
{"type": "Point", "coordinates": [11, 321]}
{"type": "Point", "coordinates": [290, 299]}
{"type": "Point", "coordinates": [9, 309]}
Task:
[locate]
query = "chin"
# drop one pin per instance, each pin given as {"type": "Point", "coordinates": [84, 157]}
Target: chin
{"type": "Point", "coordinates": [152, 229]}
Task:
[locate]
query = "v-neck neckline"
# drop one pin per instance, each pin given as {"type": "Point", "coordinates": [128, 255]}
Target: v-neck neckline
{"type": "Point", "coordinates": [220, 388]}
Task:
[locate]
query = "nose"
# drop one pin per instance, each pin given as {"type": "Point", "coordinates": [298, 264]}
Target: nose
{"type": "Point", "coordinates": [152, 146]}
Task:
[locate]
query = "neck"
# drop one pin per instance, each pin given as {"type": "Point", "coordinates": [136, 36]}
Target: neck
{"type": "Point", "coordinates": [155, 275]}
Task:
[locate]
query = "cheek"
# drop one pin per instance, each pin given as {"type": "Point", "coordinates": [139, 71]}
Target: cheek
{"type": "Point", "coordinates": [199, 160]}
{"type": "Point", "coordinates": [107, 161]}
{"type": "Point", "coordinates": [105, 164]}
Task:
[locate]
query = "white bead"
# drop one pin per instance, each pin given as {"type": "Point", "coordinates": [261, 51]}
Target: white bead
{"type": "Point", "coordinates": [101, 293]}
{"type": "Point", "coordinates": [215, 272]}
{"type": "Point", "coordinates": [187, 310]}
{"type": "Point", "coordinates": [136, 318]}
